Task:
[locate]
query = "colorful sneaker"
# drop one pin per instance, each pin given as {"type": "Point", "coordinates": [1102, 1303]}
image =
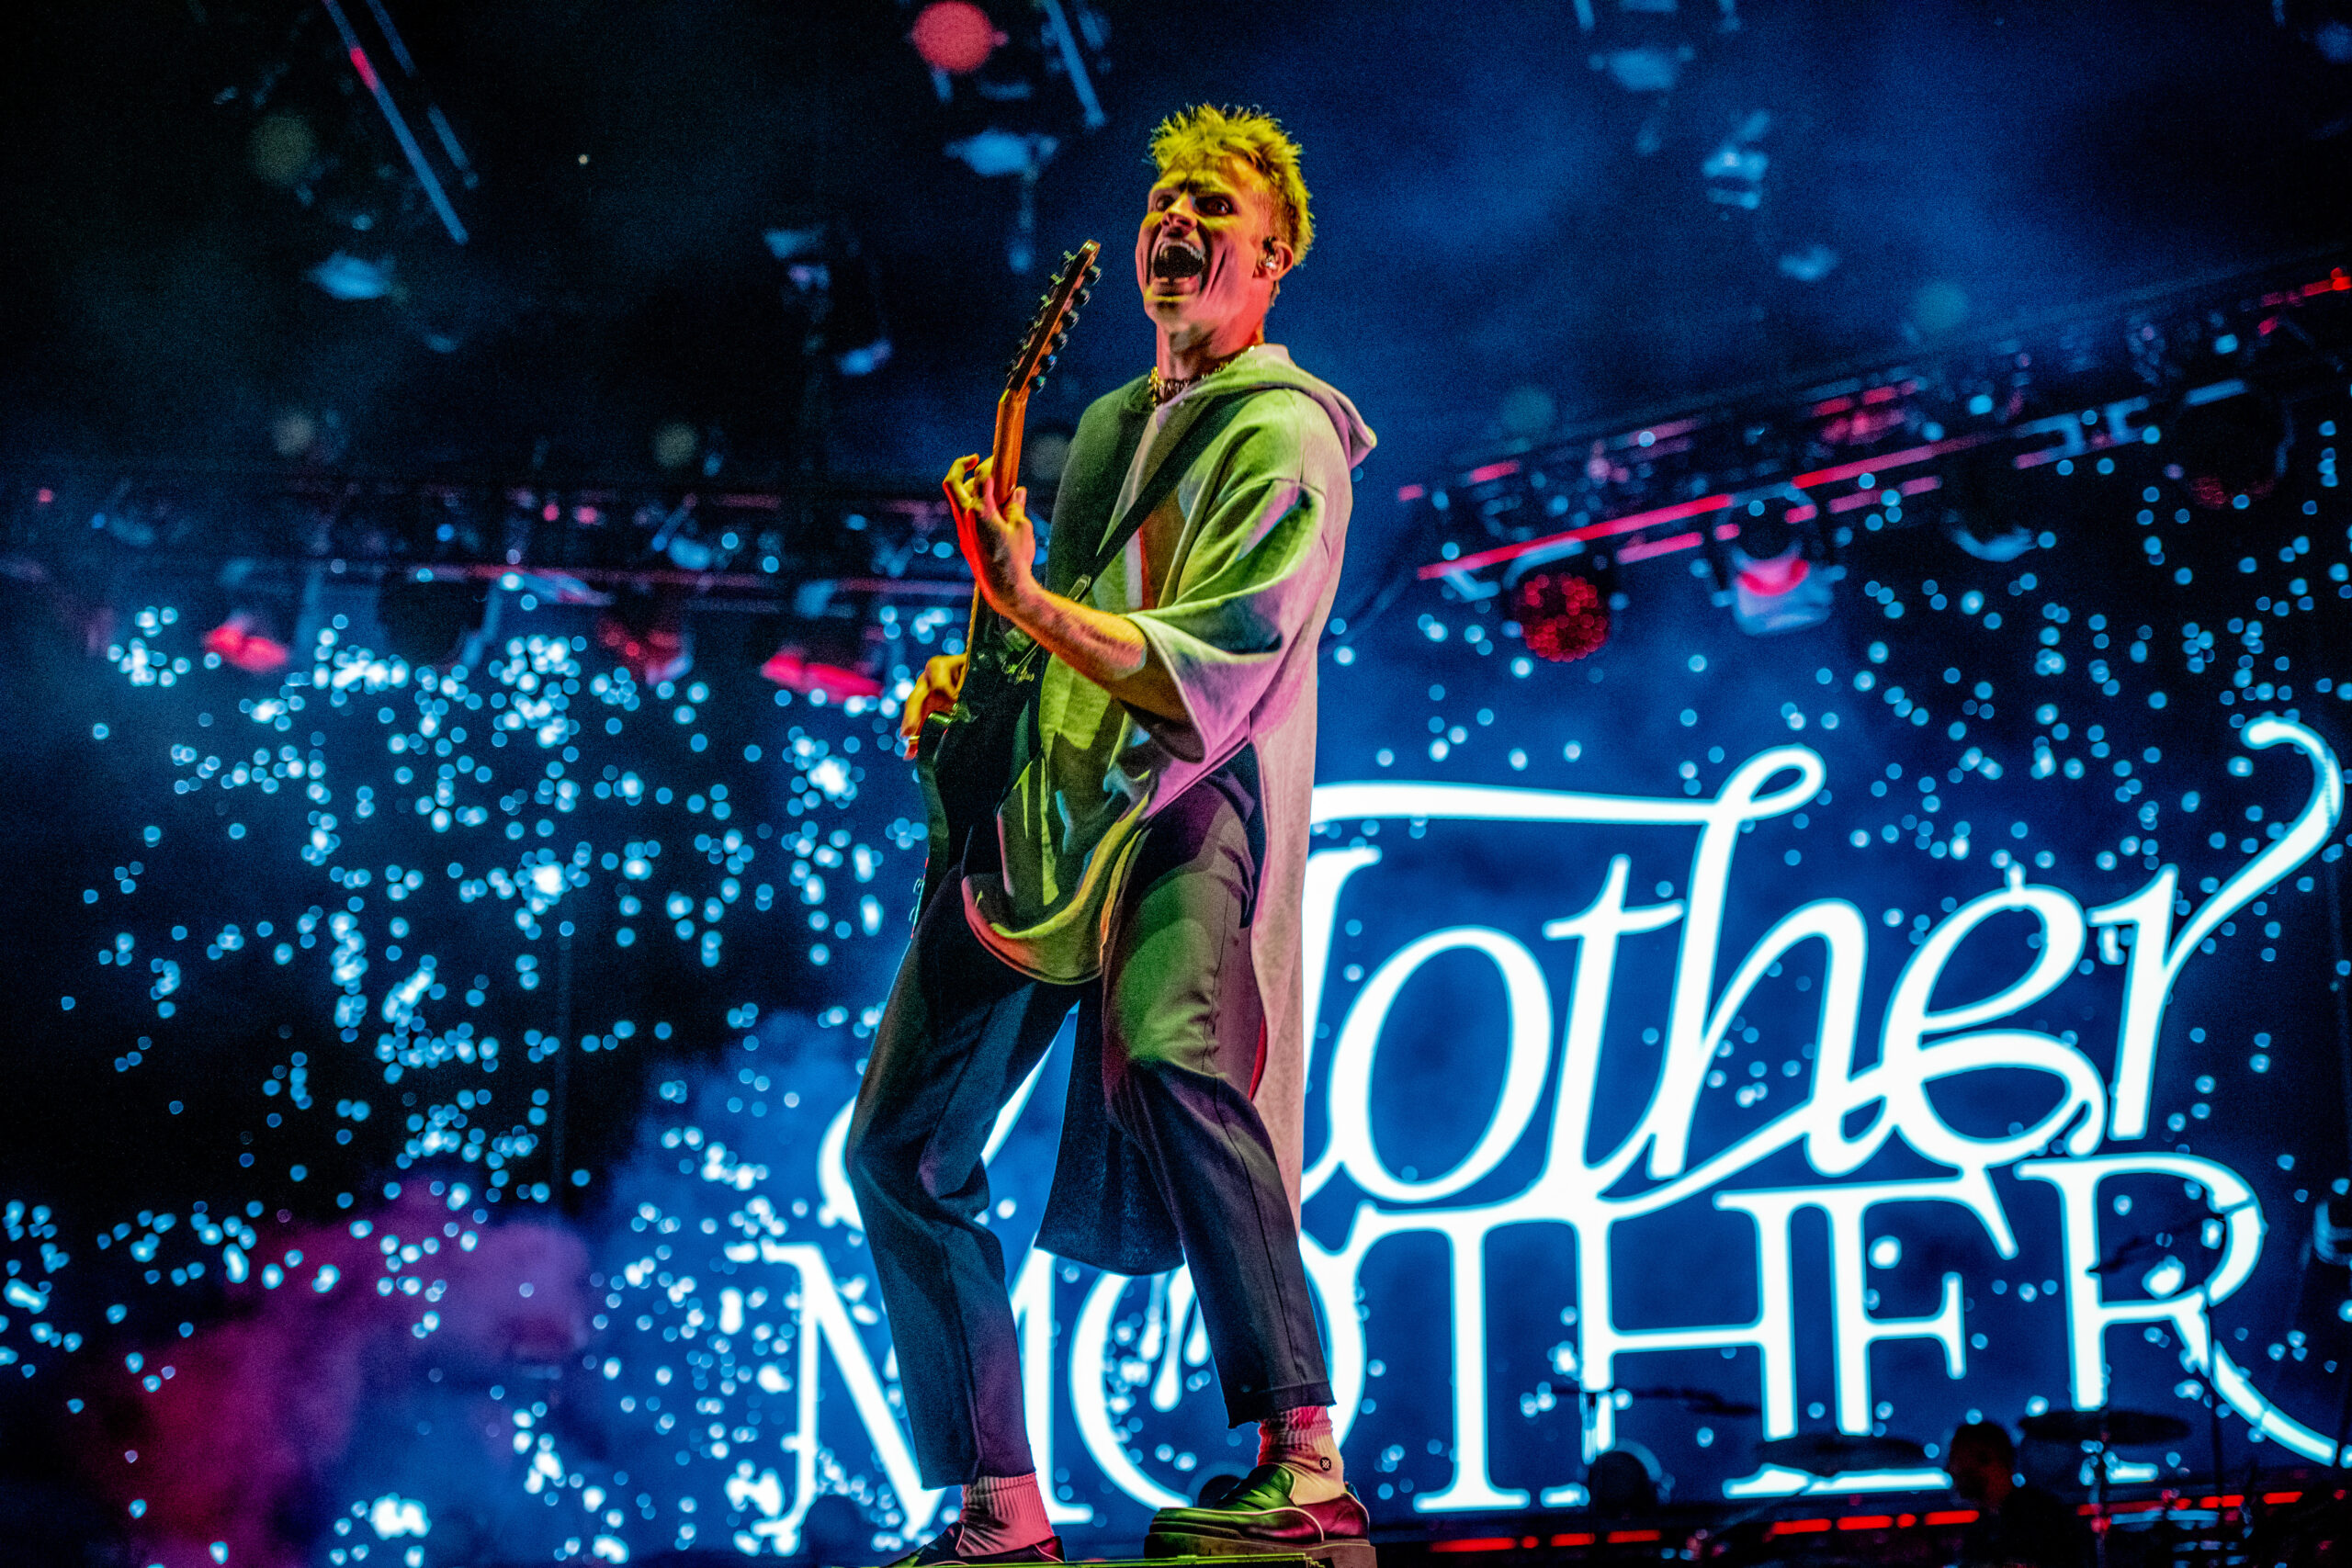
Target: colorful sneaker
{"type": "Point", "coordinates": [1257, 1519]}
{"type": "Point", "coordinates": [941, 1548]}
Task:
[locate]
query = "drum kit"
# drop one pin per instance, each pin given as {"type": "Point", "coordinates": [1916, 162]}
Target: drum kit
{"type": "Point", "coordinates": [2157, 1531]}
{"type": "Point", "coordinates": [2097, 1432]}
{"type": "Point", "coordinates": [1826, 1454]}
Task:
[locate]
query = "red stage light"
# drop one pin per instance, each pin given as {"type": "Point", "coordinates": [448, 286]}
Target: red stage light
{"type": "Point", "coordinates": [653, 653]}
{"type": "Point", "coordinates": [1779, 574]}
{"type": "Point", "coordinates": [955, 36]}
{"type": "Point", "coordinates": [1784, 591]}
{"type": "Point", "coordinates": [237, 643]}
{"type": "Point", "coordinates": [1561, 617]}
{"type": "Point", "coordinates": [792, 668]}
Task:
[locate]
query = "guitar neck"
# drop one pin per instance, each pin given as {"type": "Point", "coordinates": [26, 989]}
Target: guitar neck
{"type": "Point", "coordinates": [1046, 331]}
{"type": "Point", "coordinates": [1004, 461]}
{"type": "Point", "coordinates": [1004, 478]}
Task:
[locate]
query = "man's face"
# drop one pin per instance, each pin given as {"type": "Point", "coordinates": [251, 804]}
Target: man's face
{"type": "Point", "coordinates": [1206, 254]}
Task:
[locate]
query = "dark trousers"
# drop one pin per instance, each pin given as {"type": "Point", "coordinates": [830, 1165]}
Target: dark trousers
{"type": "Point", "coordinates": [1183, 1030]}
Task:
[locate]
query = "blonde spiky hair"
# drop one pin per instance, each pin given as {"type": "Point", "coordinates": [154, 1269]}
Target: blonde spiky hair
{"type": "Point", "coordinates": [1207, 134]}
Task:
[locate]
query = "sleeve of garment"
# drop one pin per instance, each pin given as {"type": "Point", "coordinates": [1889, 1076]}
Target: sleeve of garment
{"type": "Point", "coordinates": [1256, 572]}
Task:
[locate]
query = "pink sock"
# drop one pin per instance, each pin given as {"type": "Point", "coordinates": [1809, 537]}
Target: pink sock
{"type": "Point", "coordinates": [1300, 1439]}
{"type": "Point", "coordinates": [1002, 1513]}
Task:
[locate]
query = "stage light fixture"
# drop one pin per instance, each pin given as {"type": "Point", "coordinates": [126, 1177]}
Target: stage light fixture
{"type": "Point", "coordinates": [432, 623]}
{"type": "Point", "coordinates": [646, 629]}
{"type": "Point", "coordinates": [674, 443]}
{"type": "Point", "coordinates": [796, 669]}
{"type": "Point", "coordinates": [1562, 616]}
{"type": "Point", "coordinates": [281, 148]}
{"type": "Point", "coordinates": [1982, 511]}
{"type": "Point", "coordinates": [1734, 170]}
{"type": "Point", "coordinates": [346, 276]}
{"type": "Point", "coordinates": [2331, 1232]}
{"type": "Point", "coordinates": [242, 643]}
{"type": "Point", "coordinates": [996, 153]}
{"type": "Point", "coordinates": [855, 332]}
{"type": "Point", "coordinates": [1780, 592]}
{"type": "Point", "coordinates": [822, 646]}
{"type": "Point", "coordinates": [2000, 543]}
{"type": "Point", "coordinates": [2228, 440]}
{"type": "Point", "coordinates": [2325, 25]}
{"type": "Point", "coordinates": [830, 280]}
{"type": "Point", "coordinates": [1776, 575]}
{"type": "Point", "coordinates": [955, 36]}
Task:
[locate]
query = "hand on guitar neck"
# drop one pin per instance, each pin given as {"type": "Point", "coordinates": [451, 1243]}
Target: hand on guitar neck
{"type": "Point", "coordinates": [1002, 547]}
{"type": "Point", "coordinates": [994, 532]}
{"type": "Point", "coordinates": [999, 543]}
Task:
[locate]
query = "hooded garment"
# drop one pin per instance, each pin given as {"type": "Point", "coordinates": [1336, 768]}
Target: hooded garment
{"type": "Point", "coordinates": [1230, 581]}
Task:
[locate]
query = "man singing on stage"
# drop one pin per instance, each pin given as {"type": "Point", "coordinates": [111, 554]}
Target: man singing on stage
{"type": "Point", "coordinates": [1147, 869]}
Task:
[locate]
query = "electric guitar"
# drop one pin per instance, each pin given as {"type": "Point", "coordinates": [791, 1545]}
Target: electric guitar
{"type": "Point", "coordinates": [964, 756]}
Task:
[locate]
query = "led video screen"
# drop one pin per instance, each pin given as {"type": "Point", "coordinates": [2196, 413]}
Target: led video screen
{"type": "Point", "coordinates": [1932, 1013]}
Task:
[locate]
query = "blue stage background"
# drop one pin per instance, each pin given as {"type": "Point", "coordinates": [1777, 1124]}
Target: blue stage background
{"type": "Point", "coordinates": [283, 938]}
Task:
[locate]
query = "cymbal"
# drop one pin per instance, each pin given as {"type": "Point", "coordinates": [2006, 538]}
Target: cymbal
{"type": "Point", "coordinates": [2119, 1428]}
{"type": "Point", "coordinates": [1831, 1453]}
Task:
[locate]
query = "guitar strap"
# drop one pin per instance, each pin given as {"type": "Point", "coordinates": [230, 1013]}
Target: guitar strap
{"type": "Point", "coordinates": [1205, 427]}
{"type": "Point", "coordinates": [1021, 662]}
{"type": "Point", "coordinates": [1024, 664]}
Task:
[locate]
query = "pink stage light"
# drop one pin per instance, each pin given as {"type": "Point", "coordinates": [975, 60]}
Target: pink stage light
{"type": "Point", "coordinates": [955, 36]}
{"type": "Point", "coordinates": [792, 668]}
{"type": "Point", "coordinates": [237, 643]}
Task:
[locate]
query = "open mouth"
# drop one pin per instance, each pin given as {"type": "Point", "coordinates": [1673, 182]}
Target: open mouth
{"type": "Point", "coordinates": [1179, 258]}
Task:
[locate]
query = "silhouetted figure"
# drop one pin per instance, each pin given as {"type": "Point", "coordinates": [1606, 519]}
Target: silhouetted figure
{"type": "Point", "coordinates": [2015, 1524]}
{"type": "Point", "coordinates": [1624, 1481]}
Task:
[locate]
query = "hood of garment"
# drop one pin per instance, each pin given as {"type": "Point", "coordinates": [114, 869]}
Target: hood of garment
{"type": "Point", "coordinates": [1269, 364]}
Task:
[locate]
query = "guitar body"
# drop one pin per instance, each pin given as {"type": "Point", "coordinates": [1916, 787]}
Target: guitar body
{"type": "Point", "coordinates": [964, 756]}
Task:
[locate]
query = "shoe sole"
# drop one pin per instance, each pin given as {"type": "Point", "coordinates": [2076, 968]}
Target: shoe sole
{"type": "Point", "coordinates": [1235, 1552]}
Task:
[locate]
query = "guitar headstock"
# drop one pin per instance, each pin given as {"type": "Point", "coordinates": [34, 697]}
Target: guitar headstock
{"type": "Point", "coordinates": [1050, 328]}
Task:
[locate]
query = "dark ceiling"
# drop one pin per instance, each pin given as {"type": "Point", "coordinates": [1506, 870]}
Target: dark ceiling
{"type": "Point", "coordinates": [1507, 198]}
